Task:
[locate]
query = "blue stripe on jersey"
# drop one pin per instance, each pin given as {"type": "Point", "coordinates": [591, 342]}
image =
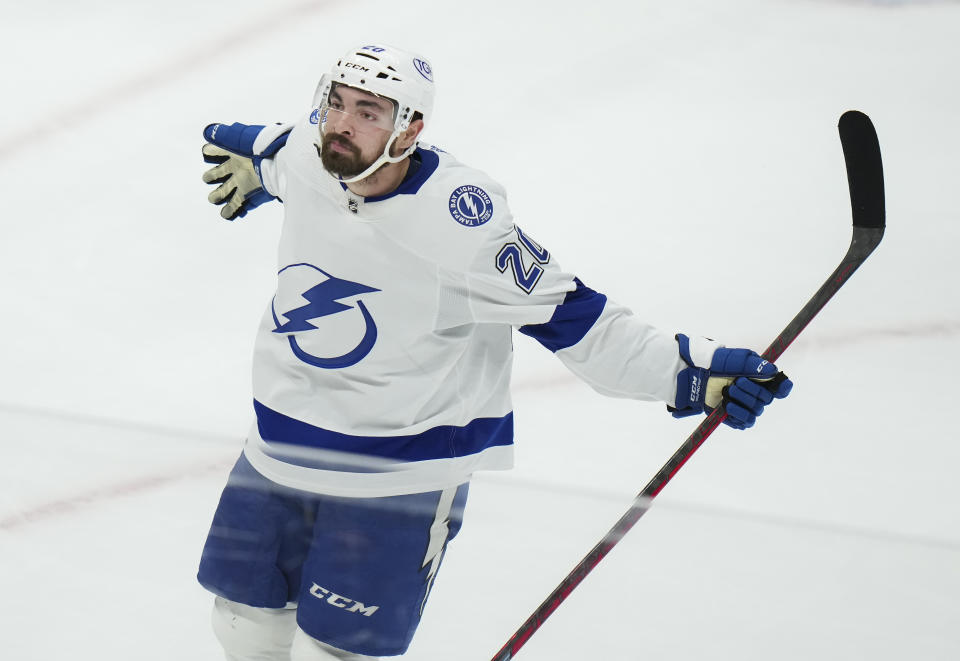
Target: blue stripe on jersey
{"type": "Point", "coordinates": [570, 321]}
{"type": "Point", "coordinates": [443, 442]}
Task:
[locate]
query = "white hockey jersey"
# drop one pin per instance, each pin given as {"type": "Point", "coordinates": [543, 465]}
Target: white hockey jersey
{"type": "Point", "coordinates": [382, 364]}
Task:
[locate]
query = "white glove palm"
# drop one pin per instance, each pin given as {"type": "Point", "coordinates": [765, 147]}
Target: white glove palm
{"type": "Point", "coordinates": [236, 176]}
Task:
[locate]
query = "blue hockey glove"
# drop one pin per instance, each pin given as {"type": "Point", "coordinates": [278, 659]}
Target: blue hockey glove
{"type": "Point", "coordinates": [237, 151]}
{"type": "Point", "coordinates": [739, 379]}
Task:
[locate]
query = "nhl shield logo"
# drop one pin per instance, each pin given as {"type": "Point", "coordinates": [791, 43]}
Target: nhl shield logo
{"type": "Point", "coordinates": [471, 206]}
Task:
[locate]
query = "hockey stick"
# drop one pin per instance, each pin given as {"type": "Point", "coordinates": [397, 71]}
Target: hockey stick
{"type": "Point", "coordinates": [861, 153]}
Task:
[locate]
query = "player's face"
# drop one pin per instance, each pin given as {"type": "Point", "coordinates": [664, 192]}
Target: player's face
{"type": "Point", "coordinates": [356, 127]}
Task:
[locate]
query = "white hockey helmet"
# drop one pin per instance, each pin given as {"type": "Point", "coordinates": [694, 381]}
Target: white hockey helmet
{"type": "Point", "coordinates": [393, 73]}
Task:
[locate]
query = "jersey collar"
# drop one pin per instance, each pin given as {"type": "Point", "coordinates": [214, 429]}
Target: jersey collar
{"type": "Point", "coordinates": [423, 163]}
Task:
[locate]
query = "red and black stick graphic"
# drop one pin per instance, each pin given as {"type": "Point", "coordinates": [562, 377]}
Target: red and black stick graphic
{"type": "Point", "coordinates": [861, 152]}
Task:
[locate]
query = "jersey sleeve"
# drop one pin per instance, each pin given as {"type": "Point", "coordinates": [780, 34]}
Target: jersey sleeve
{"type": "Point", "coordinates": [610, 348]}
{"type": "Point", "coordinates": [515, 280]}
{"type": "Point", "coordinates": [270, 148]}
{"type": "Point", "coordinates": [273, 177]}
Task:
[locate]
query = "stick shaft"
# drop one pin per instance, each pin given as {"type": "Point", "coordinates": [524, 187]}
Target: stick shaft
{"type": "Point", "coordinates": [865, 178]}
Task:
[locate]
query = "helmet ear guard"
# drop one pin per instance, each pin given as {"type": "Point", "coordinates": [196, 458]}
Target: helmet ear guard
{"type": "Point", "coordinates": [387, 72]}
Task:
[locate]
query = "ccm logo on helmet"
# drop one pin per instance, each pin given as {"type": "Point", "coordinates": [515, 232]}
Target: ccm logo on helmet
{"type": "Point", "coordinates": [351, 65]}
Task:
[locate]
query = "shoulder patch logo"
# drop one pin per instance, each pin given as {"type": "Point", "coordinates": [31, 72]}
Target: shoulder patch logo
{"type": "Point", "coordinates": [470, 206]}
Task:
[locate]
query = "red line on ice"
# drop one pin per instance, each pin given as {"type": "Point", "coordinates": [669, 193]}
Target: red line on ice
{"type": "Point", "coordinates": [83, 500]}
{"type": "Point", "coordinates": [186, 63]}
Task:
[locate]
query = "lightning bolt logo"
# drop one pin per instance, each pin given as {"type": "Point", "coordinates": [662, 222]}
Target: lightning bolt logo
{"type": "Point", "coordinates": [439, 535]}
{"type": "Point", "coordinates": [471, 206]}
{"type": "Point", "coordinates": [323, 301]}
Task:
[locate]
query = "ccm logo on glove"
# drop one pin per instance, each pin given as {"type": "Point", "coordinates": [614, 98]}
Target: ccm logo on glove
{"type": "Point", "coordinates": [738, 379]}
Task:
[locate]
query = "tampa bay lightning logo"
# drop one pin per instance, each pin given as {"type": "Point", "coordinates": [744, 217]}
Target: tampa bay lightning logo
{"type": "Point", "coordinates": [470, 206]}
{"type": "Point", "coordinates": [320, 327]}
{"type": "Point", "coordinates": [424, 68]}
{"type": "Point", "coordinates": [315, 116]}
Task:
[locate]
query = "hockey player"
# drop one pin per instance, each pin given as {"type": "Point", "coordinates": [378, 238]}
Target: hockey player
{"type": "Point", "coordinates": [382, 365]}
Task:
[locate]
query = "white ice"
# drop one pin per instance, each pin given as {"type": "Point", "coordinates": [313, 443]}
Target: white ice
{"type": "Point", "coordinates": [680, 156]}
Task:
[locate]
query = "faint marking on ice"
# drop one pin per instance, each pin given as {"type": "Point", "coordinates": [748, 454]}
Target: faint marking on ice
{"type": "Point", "coordinates": [905, 332]}
{"type": "Point", "coordinates": [185, 64]}
{"type": "Point", "coordinates": [83, 500]}
{"type": "Point", "coordinates": [892, 3]}
{"type": "Point", "coordinates": [786, 521]}
{"type": "Point", "coordinates": [808, 341]}
{"type": "Point", "coordinates": [117, 423]}
{"type": "Point", "coordinates": [79, 501]}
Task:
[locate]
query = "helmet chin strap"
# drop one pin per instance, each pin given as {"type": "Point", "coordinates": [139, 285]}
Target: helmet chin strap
{"type": "Point", "coordinates": [384, 158]}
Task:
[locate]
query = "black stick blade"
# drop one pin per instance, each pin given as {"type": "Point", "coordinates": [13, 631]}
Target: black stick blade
{"type": "Point", "coordinates": [861, 151]}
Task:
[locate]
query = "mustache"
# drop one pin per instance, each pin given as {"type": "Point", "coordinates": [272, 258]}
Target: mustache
{"type": "Point", "coordinates": [340, 140]}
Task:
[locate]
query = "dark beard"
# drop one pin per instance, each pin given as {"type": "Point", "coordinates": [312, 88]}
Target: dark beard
{"type": "Point", "coordinates": [343, 165]}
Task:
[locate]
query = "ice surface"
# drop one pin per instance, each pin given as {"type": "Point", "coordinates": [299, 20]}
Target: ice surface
{"type": "Point", "coordinates": [682, 157]}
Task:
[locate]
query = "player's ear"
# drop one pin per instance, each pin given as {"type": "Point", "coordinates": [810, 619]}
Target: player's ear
{"type": "Point", "coordinates": [409, 136]}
